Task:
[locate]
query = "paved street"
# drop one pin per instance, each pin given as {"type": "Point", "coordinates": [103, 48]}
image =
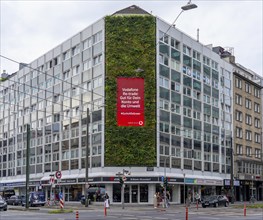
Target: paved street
{"type": "Point", "coordinates": [134, 213]}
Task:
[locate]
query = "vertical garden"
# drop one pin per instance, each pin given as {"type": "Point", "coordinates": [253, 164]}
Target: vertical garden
{"type": "Point", "coordinates": [130, 45]}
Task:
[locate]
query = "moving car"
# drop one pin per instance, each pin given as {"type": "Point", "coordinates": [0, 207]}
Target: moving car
{"type": "Point", "coordinates": [215, 201]}
{"type": "Point", "coordinates": [14, 200]}
{"type": "Point", "coordinates": [3, 204]}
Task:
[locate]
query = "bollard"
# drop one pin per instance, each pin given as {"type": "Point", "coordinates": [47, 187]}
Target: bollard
{"type": "Point", "coordinates": [105, 211]}
{"type": "Point", "coordinates": [77, 215]}
{"type": "Point", "coordinates": [186, 213]}
{"type": "Point", "coordinates": [245, 209]}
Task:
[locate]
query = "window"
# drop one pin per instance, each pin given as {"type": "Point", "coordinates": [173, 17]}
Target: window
{"type": "Point", "coordinates": [197, 115]}
{"type": "Point", "coordinates": [238, 83]}
{"type": "Point", "coordinates": [196, 55]}
{"type": "Point", "coordinates": [87, 43]}
{"type": "Point", "coordinates": [238, 99]}
{"type": "Point", "coordinates": [97, 82]}
{"type": "Point", "coordinates": [248, 135]}
{"type": "Point", "coordinates": [97, 37]}
{"type": "Point", "coordinates": [187, 91]}
{"type": "Point", "coordinates": [75, 91]}
{"type": "Point", "coordinates": [239, 133]}
{"type": "Point", "coordinates": [239, 116]}
{"type": "Point", "coordinates": [175, 86]}
{"type": "Point", "coordinates": [248, 119]}
{"type": "Point", "coordinates": [164, 37]}
{"type": "Point", "coordinates": [87, 65]}
{"type": "Point", "coordinates": [256, 107]}
{"type": "Point", "coordinates": [163, 59]}
{"type": "Point", "coordinates": [75, 70]}
{"type": "Point", "coordinates": [187, 50]}
{"type": "Point", "coordinates": [257, 92]}
{"type": "Point", "coordinates": [206, 99]}
{"type": "Point", "coordinates": [257, 138]}
{"type": "Point", "coordinates": [257, 123]}
{"type": "Point", "coordinates": [248, 103]}
{"type": "Point", "coordinates": [164, 105]}
{"type": "Point", "coordinates": [188, 112]}
{"type": "Point", "coordinates": [247, 87]}
{"type": "Point", "coordinates": [258, 153]}
{"type": "Point", "coordinates": [56, 117]}
{"type": "Point", "coordinates": [66, 55]}
{"type": "Point", "coordinates": [249, 151]}
{"type": "Point", "coordinates": [164, 82]}
{"type": "Point", "coordinates": [196, 74]}
{"type": "Point", "coordinates": [164, 128]}
{"type": "Point", "coordinates": [75, 50]}
{"type": "Point", "coordinates": [197, 95]}
{"type": "Point", "coordinates": [66, 75]}
{"type": "Point", "coordinates": [175, 43]}
{"type": "Point", "coordinates": [239, 149]}
{"type": "Point", "coordinates": [97, 59]}
{"type": "Point", "coordinates": [175, 108]}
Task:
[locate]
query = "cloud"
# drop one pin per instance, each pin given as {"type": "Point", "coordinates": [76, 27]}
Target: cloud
{"type": "Point", "coordinates": [31, 28]}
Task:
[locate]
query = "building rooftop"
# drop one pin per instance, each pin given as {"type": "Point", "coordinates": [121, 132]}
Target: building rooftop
{"type": "Point", "coordinates": [133, 9]}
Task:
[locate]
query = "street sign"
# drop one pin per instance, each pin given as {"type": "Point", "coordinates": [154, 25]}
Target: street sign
{"type": "Point", "coordinates": [124, 178]}
{"type": "Point", "coordinates": [58, 174]}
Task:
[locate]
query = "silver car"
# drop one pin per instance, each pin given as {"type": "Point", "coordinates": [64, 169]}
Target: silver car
{"type": "Point", "coordinates": [3, 204]}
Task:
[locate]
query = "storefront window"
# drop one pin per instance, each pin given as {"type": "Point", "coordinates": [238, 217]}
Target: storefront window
{"type": "Point", "coordinates": [144, 193]}
{"type": "Point", "coordinates": [116, 193]}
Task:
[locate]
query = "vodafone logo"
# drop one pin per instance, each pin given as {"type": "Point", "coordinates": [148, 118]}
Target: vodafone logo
{"type": "Point", "coordinates": [140, 122]}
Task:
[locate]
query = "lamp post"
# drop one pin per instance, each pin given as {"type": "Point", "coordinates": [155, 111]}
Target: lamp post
{"type": "Point", "coordinates": [186, 7]}
{"type": "Point", "coordinates": [232, 171]}
{"type": "Point", "coordinates": [165, 182]}
{"type": "Point", "coordinates": [87, 162]}
{"type": "Point", "coordinates": [27, 163]}
{"type": "Point", "coordinates": [184, 189]}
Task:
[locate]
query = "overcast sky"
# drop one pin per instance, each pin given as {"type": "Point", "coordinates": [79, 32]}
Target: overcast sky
{"type": "Point", "coordinates": [31, 28]}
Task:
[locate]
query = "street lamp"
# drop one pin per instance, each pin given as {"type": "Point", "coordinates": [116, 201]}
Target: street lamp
{"type": "Point", "coordinates": [27, 163]}
{"type": "Point", "coordinates": [187, 7]}
{"type": "Point", "coordinates": [87, 162]}
{"type": "Point", "coordinates": [184, 189]}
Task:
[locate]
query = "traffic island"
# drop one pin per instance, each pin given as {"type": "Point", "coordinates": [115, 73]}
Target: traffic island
{"type": "Point", "coordinates": [60, 211]}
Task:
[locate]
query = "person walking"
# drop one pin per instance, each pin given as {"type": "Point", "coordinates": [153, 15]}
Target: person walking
{"type": "Point", "coordinates": [155, 200]}
{"type": "Point", "coordinates": [107, 201]}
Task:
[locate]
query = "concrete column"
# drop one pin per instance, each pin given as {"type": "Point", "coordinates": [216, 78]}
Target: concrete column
{"type": "Point", "coordinates": [151, 192]}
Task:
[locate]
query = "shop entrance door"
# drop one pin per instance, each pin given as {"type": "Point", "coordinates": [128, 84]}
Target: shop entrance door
{"type": "Point", "coordinates": [127, 193]}
{"type": "Point", "coordinates": [134, 192]}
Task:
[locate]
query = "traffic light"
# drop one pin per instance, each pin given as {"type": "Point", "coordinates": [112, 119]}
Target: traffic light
{"type": "Point", "coordinates": [121, 180]}
{"type": "Point", "coordinates": [165, 182]}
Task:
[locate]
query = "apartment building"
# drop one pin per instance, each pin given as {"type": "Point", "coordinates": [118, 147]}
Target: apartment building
{"type": "Point", "coordinates": [159, 105]}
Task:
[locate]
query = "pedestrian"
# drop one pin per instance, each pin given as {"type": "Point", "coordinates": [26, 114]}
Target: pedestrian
{"type": "Point", "coordinates": [159, 199]}
{"type": "Point", "coordinates": [155, 200]}
{"type": "Point", "coordinates": [107, 201]}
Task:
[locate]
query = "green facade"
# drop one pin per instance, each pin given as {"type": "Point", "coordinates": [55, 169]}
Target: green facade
{"type": "Point", "coordinates": [130, 44]}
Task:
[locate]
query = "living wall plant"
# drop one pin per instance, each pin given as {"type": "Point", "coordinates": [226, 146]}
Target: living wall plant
{"type": "Point", "coordinates": [130, 45]}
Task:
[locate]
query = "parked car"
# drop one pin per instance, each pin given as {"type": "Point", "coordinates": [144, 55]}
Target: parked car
{"type": "Point", "coordinates": [35, 199]}
{"type": "Point", "coordinates": [3, 204]}
{"type": "Point", "coordinates": [215, 201]}
{"type": "Point", "coordinates": [14, 200]}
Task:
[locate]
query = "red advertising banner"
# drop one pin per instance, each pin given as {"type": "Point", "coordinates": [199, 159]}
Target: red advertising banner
{"type": "Point", "coordinates": [130, 101]}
